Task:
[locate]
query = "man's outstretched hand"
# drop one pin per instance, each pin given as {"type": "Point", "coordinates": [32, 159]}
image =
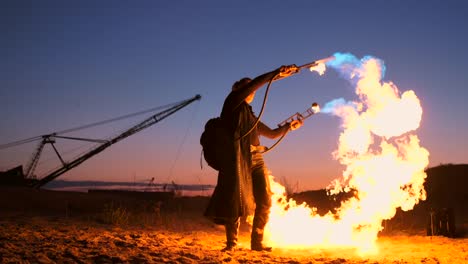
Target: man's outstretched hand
{"type": "Point", "coordinates": [295, 124]}
{"type": "Point", "coordinates": [286, 71]}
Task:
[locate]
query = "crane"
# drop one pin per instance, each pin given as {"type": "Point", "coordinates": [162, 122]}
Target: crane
{"type": "Point", "coordinates": [104, 144]}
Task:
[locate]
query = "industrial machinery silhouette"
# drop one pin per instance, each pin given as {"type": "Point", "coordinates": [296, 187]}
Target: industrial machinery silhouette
{"type": "Point", "coordinates": [103, 144]}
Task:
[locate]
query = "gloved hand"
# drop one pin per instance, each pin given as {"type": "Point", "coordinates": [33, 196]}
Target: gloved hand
{"type": "Point", "coordinates": [295, 124]}
{"type": "Point", "coordinates": [286, 71]}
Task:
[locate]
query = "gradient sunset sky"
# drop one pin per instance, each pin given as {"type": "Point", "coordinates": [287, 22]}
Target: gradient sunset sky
{"type": "Point", "coordinates": [71, 63]}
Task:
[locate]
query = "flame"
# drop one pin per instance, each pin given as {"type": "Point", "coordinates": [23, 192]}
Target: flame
{"type": "Point", "coordinates": [384, 166]}
{"type": "Point", "coordinates": [319, 68]}
{"type": "Point", "coordinates": [315, 108]}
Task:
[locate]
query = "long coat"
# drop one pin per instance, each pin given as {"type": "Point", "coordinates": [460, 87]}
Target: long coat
{"type": "Point", "coordinates": [233, 194]}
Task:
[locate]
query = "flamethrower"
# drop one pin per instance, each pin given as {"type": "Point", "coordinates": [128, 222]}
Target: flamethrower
{"type": "Point", "coordinates": [294, 121]}
{"type": "Point", "coordinates": [293, 69]}
{"type": "Point", "coordinates": [297, 118]}
{"type": "Point", "coordinates": [316, 63]}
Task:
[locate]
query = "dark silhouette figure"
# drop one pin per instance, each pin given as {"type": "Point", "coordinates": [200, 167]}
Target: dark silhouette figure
{"type": "Point", "coordinates": [243, 186]}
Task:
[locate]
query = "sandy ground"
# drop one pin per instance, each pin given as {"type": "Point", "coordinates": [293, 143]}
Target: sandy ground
{"type": "Point", "coordinates": [60, 227]}
{"type": "Point", "coordinates": [40, 239]}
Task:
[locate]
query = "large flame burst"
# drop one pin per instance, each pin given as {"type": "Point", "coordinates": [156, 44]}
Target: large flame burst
{"type": "Point", "coordinates": [383, 159]}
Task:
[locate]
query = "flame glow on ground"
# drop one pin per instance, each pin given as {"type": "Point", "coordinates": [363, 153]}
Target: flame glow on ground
{"type": "Point", "coordinates": [383, 159]}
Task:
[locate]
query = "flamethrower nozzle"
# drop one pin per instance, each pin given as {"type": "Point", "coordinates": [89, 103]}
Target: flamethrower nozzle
{"type": "Point", "coordinates": [317, 62]}
{"type": "Point", "coordinates": [287, 71]}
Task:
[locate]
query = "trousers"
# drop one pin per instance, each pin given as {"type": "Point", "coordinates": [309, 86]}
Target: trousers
{"type": "Point", "coordinates": [262, 196]}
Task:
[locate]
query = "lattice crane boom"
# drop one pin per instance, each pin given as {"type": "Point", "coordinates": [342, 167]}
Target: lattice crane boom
{"type": "Point", "coordinates": [142, 125]}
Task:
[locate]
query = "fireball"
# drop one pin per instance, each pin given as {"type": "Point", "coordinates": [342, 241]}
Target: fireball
{"type": "Point", "coordinates": [383, 158]}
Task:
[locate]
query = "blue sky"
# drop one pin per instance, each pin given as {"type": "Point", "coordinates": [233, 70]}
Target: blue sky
{"type": "Point", "coordinates": [67, 64]}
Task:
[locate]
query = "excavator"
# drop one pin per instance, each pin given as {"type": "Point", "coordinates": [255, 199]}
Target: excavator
{"type": "Point", "coordinates": [31, 180]}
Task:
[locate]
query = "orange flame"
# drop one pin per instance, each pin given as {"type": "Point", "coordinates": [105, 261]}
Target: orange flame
{"type": "Point", "coordinates": [384, 166]}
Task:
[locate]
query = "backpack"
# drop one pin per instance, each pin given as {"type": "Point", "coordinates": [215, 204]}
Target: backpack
{"type": "Point", "coordinates": [214, 141]}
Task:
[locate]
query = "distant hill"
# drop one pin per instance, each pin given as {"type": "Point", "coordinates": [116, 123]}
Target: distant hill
{"type": "Point", "coordinates": [447, 186]}
{"type": "Point", "coordinates": [84, 186]}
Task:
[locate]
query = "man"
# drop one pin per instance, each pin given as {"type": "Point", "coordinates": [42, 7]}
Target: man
{"type": "Point", "coordinates": [243, 179]}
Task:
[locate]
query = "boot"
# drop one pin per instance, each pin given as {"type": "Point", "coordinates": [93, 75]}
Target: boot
{"type": "Point", "coordinates": [232, 230]}
{"type": "Point", "coordinates": [256, 241]}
